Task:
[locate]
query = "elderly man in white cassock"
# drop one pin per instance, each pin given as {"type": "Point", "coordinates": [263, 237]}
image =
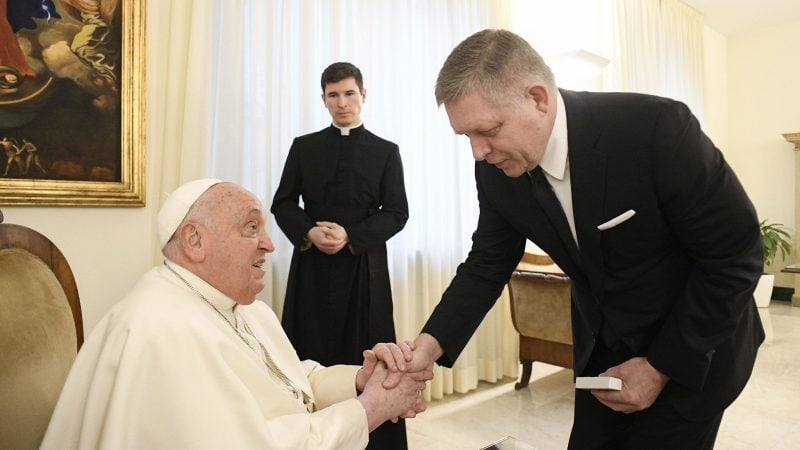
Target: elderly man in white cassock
{"type": "Point", "coordinates": [188, 359]}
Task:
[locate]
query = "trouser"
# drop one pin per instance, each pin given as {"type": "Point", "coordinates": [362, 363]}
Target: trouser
{"type": "Point", "coordinates": [660, 426]}
{"type": "Point", "coordinates": [389, 436]}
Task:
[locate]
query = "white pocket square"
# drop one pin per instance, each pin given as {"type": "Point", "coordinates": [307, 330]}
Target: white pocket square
{"type": "Point", "coordinates": [616, 220]}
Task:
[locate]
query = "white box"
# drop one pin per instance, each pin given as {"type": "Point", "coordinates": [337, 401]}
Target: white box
{"type": "Point", "coordinates": [611, 383]}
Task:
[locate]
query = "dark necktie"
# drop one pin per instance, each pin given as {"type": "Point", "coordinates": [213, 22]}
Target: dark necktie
{"type": "Point", "coordinates": [552, 207]}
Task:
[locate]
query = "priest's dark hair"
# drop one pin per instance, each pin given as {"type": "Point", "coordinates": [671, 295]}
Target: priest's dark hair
{"type": "Point", "coordinates": [338, 71]}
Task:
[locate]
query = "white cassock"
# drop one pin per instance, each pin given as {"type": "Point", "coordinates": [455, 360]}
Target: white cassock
{"type": "Point", "coordinates": [164, 370]}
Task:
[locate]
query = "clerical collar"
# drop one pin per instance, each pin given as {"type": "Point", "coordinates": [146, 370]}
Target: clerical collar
{"type": "Point", "coordinates": [219, 300]}
{"type": "Point", "coordinates": [345, 131]}
{"type": "Point", "coordinates": [554, 160]}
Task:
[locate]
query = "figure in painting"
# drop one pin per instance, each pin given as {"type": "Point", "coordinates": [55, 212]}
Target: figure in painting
{"type": "Point", "coordinates": [33, 156]}
{"type": "Point", "coordinates": [12, 152]}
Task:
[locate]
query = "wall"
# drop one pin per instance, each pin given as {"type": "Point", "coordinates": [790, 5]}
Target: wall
{"type": "Point", "coordinates": [764, 102]}
{"type": "Point", "coordinates": [715, 107]}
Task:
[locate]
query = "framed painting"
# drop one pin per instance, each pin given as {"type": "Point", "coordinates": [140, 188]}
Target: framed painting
{"type": "Point", "coordinates": [72, 102]}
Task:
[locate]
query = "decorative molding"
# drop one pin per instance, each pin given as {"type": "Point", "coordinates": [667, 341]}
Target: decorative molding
{"type": "Point", "coordinates": [794, 138]}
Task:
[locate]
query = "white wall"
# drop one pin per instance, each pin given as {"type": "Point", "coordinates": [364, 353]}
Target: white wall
{"type": "Point", "coordinates": [764, 102]}
{"type": "Point", "coordinates": [715, 119]}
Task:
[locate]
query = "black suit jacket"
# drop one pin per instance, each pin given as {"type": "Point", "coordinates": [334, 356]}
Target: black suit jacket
{"type": "Point", "coordinates": [673, 283]}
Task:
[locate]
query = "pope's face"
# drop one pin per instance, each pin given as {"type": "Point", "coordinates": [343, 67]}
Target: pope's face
{"type": "Point", "coordinates": [238, 245]}
{"type": "Point", "coordinates": [343, 100]}
{"type": "Point", "coordinates": [511, 137]}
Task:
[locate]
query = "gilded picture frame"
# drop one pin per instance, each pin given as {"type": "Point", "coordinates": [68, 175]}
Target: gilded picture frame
{"type": "Point", "coordinates": [72, 102]}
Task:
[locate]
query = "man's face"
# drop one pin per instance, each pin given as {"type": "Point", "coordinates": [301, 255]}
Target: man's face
{"type": "Point", "coordinates": [238, 244]}
{"type": "Point", "coordinates": [344, 100]}
{"type": "Point", "coordinates": [511, 137]}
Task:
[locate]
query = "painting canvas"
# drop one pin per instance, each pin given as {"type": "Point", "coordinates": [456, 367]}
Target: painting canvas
{"type": "Point", "coordinates": [71, 102]}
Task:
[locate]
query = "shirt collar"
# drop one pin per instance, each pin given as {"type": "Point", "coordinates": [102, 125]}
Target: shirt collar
{"type": "Point", "coordinates": [345, 131]}
{"type": "Point", "coordinates": [554, 160]}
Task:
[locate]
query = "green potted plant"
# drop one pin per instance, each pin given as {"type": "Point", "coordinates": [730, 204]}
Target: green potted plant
{"type": "Point", "coordinates": [776, 239]}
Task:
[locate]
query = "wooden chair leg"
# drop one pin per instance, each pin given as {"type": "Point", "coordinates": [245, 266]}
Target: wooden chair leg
{"type": "Point", "coordinates": [527, 367]}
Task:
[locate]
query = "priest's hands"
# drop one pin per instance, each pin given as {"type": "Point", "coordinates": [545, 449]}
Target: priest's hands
{"type": "Point", "coordinates": [641, 385]}
{"type": "Point", "coordinates": [328, 237]}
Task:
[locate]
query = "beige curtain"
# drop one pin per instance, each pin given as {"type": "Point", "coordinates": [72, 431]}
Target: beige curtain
{"type": "Point", "coordinates": [658, 49]}
{"type": "Point", "coordinates": [178, 107]}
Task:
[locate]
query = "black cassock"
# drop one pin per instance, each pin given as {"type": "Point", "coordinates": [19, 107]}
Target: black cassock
{"type": "Point", "coordinates": [337, 306]}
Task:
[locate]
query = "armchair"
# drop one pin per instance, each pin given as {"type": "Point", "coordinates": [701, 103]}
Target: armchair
{"type": "Point", "coordinates": [540, 310]}
{"type": "Point", "coordinates": [41, 331]}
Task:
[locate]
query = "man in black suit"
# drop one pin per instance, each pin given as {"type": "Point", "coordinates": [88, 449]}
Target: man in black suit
{"type": "Point", "coordinates": [633, 201]}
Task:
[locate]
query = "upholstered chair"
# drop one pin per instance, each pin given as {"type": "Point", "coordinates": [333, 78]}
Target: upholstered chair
{"type": "Point", "coordinates": [540, 311]}
{"type": "Point", "coordinates": [40, 332]}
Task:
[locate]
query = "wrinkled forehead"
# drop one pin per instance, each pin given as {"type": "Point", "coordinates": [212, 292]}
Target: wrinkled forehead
{"type": "Point", "coordinates": [234, 202]}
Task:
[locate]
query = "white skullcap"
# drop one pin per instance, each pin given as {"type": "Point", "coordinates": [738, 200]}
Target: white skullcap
{"type": "Point", "coordinates": [177, 205]}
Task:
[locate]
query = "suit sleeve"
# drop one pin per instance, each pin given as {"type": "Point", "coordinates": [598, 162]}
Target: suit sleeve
{"type": "Point", "coordinates": [709, 212]}
{"type": "Point", "coordinates": [291, 218]}
{"type": "Point", "coordinates": [392, 215]}
{"type": "Point", "coordinates": [496, 250]}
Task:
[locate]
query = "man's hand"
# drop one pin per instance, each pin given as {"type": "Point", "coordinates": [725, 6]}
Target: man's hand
{"type": "Point", "coordinates": [326, 241]}
{"type": "Point", "coordinates": [641, 385]}
{"type": "Point", "coordinates": [425, 350]}
{"type": "Point", "coordinates": [394, 356]}
{"type": "Point", "coordinates": [334, 231]}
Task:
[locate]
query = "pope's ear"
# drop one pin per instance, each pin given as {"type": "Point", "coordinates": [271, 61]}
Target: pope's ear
{"type": "Point", "coordinates": [191, 240]}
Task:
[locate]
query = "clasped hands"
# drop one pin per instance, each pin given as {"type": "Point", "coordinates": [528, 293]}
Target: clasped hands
{"type": "Point", "coordinates": [392, 382]}
{"type": "Point", "coordinates": [328, 237]}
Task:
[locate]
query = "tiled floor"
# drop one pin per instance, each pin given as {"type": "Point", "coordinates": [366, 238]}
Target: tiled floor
{"type": "Point", "coordinates": [765, 416]}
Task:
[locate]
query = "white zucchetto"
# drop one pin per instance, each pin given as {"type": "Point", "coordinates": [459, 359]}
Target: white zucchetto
{"type": "Point", "coordinates": [177, 205]}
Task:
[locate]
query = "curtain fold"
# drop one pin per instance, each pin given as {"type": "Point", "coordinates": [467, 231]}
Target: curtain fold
{"type": "Point", "coordinates": [658, 49]}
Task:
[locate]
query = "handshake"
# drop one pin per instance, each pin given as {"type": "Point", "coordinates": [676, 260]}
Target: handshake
{"type": "Point", "coordinates": [393, 377]}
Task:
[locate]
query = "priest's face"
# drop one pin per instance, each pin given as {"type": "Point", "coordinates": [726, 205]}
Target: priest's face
{"type": "Point", "coordinates": [343, 100]}
{"type": "Point", "coordinates": [511, 136]}
{"type": "Point", "coordinates": [238, 244]}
